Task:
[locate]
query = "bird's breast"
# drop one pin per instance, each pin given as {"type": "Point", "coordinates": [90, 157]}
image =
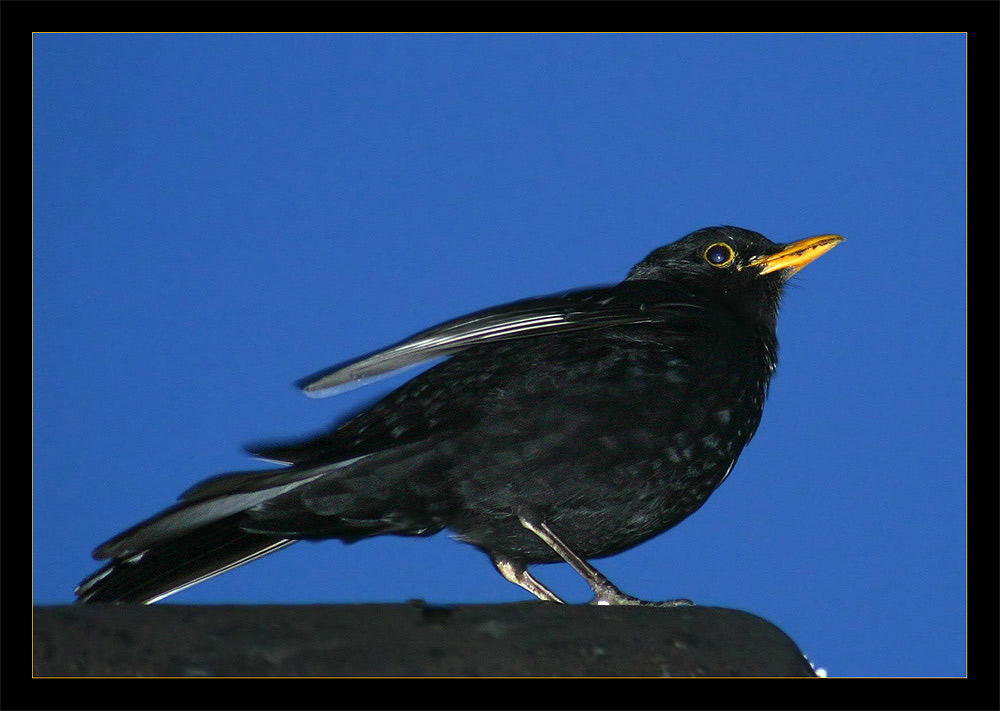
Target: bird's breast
{"type": "Point", "coordinates": [611, 440]}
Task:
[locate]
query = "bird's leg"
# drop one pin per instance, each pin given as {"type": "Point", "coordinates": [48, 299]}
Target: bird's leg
{"type": "Point", "coordinates": [605, 592]}
{"type": "Point", "coordinates": [516, 573]}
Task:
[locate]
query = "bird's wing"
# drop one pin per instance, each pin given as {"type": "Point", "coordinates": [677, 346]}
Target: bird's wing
{"type": "Point", "coordinates": [631, 302]}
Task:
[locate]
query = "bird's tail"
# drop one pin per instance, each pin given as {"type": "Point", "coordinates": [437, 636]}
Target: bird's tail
{"type": "Point", "coordinates": [172, 565]}
{"type": "Point", "coordinates": [203, 535]}
{"type": "Point", "coordinates": [232, 519]}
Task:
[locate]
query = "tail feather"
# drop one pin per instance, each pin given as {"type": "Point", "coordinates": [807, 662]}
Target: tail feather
{"type": "Point", "coordinates": [233, 519]}
{"type": "Point", "coordinates": [172, 565]}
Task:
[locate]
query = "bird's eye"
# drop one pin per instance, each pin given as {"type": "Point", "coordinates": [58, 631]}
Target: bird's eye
{"type": "Point", "coordinates": [719, 254]}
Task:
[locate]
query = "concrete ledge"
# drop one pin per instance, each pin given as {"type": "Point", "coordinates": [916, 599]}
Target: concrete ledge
{"type": "Point", "coordinates": [412, 639]}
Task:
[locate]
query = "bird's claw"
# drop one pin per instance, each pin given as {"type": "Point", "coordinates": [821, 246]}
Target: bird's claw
{"type": "Point", "coordinates": [617, 597]}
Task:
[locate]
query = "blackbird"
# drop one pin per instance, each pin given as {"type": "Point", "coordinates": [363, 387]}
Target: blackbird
{"type": "Point", "coordinates": [565, 427]}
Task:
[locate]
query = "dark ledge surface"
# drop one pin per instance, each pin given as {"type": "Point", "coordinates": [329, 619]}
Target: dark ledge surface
{"type": "Point", "coordinates": [410, 640]}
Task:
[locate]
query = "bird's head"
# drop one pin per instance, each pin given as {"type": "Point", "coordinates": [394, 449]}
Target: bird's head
{"type": "Point", "coordinates": [739, 266]}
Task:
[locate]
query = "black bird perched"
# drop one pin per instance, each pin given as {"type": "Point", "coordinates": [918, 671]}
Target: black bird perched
{"type": "Point", "coordinates": [560, 428]}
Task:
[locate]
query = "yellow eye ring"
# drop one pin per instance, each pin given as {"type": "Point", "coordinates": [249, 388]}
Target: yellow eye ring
{"type": "Point", "coordinates": [719, 254]}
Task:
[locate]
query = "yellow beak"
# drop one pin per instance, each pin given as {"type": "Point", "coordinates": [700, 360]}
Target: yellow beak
{"type": "Point", "coordinates": [796, 255]}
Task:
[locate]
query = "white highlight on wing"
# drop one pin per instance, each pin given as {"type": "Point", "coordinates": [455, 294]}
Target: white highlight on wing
{"type": "Point", "coordinates": [629, 303]}
{"type": "Point", "coordinates": [439, 342]}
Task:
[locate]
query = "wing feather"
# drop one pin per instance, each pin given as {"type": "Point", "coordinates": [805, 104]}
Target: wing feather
{"type": "Point", "coordinates": [631, 302]}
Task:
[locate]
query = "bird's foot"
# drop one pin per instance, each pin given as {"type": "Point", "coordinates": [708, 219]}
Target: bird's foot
{"type": "Point", "coordinates": [516, 572]}
{"type": "Point", "coordinates": [614, 596]}
{"type": "Point", "coordinates": [629, 600]}
{"type": "Point", "coordinates": [605, 592]}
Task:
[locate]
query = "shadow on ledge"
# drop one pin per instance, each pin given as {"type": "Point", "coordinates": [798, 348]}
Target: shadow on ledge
{"type": "Point", "coordinates": [412, 639]}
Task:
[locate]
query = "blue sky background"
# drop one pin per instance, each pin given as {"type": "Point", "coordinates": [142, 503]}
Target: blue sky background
{"type": "Point", "coordinates": [216, 216]}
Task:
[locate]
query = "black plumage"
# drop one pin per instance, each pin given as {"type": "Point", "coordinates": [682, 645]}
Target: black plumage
{"type": "Point", "coordinates": [566, 427]}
